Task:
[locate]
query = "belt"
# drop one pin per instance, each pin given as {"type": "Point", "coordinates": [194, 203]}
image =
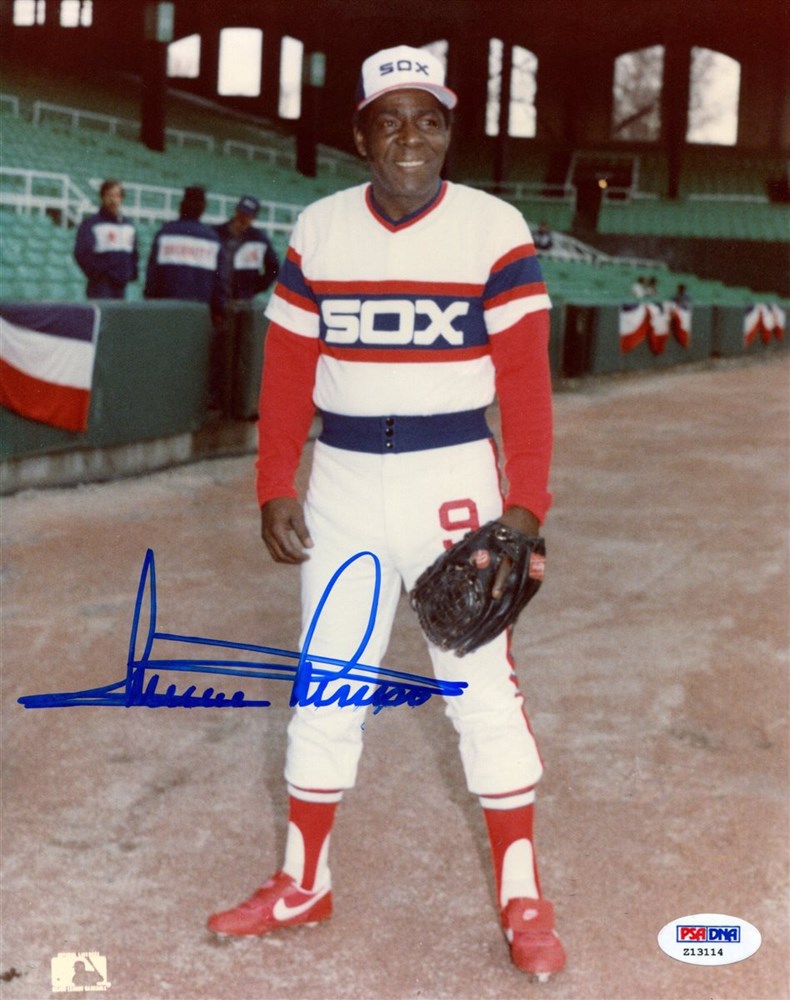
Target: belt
{"type": "Point", "coordinates": [379, 435]}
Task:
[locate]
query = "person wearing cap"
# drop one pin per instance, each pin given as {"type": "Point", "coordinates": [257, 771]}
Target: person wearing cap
{"type": "Point", "coordinates": [251, 263]}
{"type": "Point", "coordinates": [250, 267]}
{"type": "Point", "coordinates": [187, 260]}
{"type": "Point", "coordinates": [403, 308]}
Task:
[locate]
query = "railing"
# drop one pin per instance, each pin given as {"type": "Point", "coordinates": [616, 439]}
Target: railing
{"type": "Point", "coordinates": [44, 110]}
{"type": "Point", "coordinates": [625, 195]}
{"type": "Point", "coordinates": [251, 151]}
{"type": "Point", "coordinates": [754, 199]}
{"type": "Point", "coordinates": [46, 193]}
{"type": "Point", "coordinates": [113, 124]}
{"type": "Point", "coordinates": [568, 248]}
{"type": "Point", "coordinates": [13, 101]}
{"type": "Point", "coordinates": [152, 203]}
{"type": "Point", "coordinates": [331, 161]}
{"type": "Point", "coordinates": [130, 128]}
{"type": "Point", "coordinates": [43, 192]}
{"type": "Point", "coordinates": [181, 137]}
{"type": "Point", "coordinates": [529, 191]}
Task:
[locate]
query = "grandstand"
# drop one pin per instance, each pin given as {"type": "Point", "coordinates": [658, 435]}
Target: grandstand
{"type": "Point", "coordinates": [722, 195]}
{"type": "Point", "coordinates": [699, 215]}
{"type": "Point", "coordinates": [55, 155]}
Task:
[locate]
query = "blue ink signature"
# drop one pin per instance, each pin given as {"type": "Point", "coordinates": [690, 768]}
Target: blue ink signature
{"type": "Point", "coordinates": [311, 676]}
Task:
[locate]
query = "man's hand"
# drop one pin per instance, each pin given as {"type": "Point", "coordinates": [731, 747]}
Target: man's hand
{"type": "Point", "coordinates": [284, 531]}
{"type": "Point", "coordinates": [522, 520]}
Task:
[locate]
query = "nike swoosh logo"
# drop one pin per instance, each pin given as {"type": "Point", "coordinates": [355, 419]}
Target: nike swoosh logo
{"type": "Point", "coordinates": [282, 911]}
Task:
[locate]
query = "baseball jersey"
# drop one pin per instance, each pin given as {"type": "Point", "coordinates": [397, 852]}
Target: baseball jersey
{"type": "Point", "coordinates": [428, 315]}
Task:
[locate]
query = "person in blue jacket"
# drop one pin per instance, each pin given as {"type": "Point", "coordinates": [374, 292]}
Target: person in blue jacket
{"type": "Point", "coordinates": [251, 262]}
{"type": "Point", "coordinates": [251, 265]}
{"type": "Point", "coordinates": [187, 260]}
{"type": "Point", "coordinates": [106, 246]}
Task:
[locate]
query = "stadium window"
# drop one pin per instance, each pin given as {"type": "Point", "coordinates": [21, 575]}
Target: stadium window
{"type": "Point", "coordinates": [714, 90]}
{"type": "Point", "coordinates": [29, 12]}
{"type": "Point", "coordinates": [522, 119]}
{"type": "Point", "coordinates": [76, 13]}
{"type": "Point", "coordinates": [183, 57]}
{"type": "Point", "coordinates": [240, 52]}
{"type": "Point", "coordinates": [636, 95]}
{"type": "Point", "coordinates": [291, 60]}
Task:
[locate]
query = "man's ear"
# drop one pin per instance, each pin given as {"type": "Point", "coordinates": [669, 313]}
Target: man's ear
{"type": "Point", "coordinates": [359, 142]}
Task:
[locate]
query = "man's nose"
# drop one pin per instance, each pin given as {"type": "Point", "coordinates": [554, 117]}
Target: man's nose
{"type": "Point", "coordinates": [410, 133]}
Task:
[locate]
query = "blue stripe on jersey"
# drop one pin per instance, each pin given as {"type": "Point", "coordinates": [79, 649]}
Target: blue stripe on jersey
{"type": "Point", "coordinates": [523, 271]}
{"type": "Point", "coordinates": [291, 278]}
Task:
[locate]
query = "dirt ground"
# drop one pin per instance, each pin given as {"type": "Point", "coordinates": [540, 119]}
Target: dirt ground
{"type": "Point", "coordinates": [655, 666]}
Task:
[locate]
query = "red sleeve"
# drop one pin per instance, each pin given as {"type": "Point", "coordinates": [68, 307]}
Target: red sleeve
{"type": "Point", "coordinates": [286, 410]}
{"type": "Point", "coordinates": [523, 385]}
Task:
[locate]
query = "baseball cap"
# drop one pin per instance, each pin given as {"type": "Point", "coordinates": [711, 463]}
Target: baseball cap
{"type": "Point", "coordinates": [248, 206]}
{"type": "Point", "coordinates": [402, 68]}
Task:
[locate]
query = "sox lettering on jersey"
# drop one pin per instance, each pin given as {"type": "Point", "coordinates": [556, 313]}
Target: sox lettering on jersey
{"type": "Point", "coordinates": [349, 321]}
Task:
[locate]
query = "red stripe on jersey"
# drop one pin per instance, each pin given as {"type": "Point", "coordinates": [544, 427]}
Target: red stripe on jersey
{"type": "Point", "coordinates": [397, 227]}
{"type": "Point", "coordinates": [522, 292]}
{"type": "Point", "coordinates": [400, 356]}
{"type": "Point", "coordinates": [359, 289]}
{"type": "Point", "coordinates": [294, 256]}
{"type": "Point", "coordinates": [517, 253]}
{"type": "Point", "coordinates": [295, 300]}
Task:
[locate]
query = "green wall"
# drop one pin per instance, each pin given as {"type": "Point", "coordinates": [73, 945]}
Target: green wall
{"type": "Point", "coordinates": [152, 367]}
{"type": "Point", "coordinates": [150, 380]}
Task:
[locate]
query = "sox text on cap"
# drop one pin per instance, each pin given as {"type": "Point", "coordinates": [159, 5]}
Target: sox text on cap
{"type": "Point", "coordinates": [402, 68]}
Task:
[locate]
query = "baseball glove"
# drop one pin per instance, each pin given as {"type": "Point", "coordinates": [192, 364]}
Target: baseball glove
{"type": "Point", "coordinates": [452, 597]}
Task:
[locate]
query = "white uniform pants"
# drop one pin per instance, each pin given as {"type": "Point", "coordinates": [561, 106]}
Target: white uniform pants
{"type": "Point", "coordinates": [402, 507]}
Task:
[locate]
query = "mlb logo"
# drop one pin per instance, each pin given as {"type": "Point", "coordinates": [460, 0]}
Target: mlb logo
{"type": "Point", "coordinates": [79, 972]}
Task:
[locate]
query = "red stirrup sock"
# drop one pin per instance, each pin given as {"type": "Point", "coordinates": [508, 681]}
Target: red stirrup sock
{"type": "Point", "coordinates": [311, 815]}
{"type": "Point", "coordinates": [509, 819]}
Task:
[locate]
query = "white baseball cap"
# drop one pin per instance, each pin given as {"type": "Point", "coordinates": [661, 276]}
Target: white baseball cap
{"type": "Point", "coordinates": [402, 68]}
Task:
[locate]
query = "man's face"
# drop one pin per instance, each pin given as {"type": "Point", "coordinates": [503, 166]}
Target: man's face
{"type": "Point", "coordinates": [404, 137]}
{"type": "Point", "coordinates": [240, 223]}
{"type": "Point", "coordinates": [112, 199]}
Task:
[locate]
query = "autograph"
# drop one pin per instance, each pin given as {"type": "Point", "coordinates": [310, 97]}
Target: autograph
{"type": "Point", "coordinates": [313, 678]}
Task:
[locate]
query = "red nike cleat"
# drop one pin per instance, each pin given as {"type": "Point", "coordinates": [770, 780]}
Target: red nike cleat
{"type": "Point", "coordinates": [278, 903]}
{"type": "Point", "coordinates": [534, 944]}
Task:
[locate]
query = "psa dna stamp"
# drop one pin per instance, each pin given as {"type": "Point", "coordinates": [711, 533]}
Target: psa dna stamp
{"type": "Point", "coordinates": [709, 939]}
